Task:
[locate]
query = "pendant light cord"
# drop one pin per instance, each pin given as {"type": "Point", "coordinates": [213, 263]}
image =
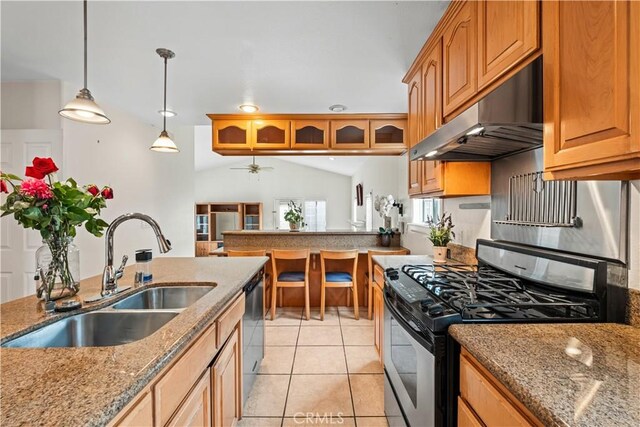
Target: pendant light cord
{"type": "Point", "coordinates": [85, 44]}
{"type": "Point", "coordinates": [164, 116]}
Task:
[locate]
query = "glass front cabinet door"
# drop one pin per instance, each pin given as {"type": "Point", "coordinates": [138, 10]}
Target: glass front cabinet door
{"type": "Point", "coordinates": [231, 134]}
{"type": "Point", "coordinates": [270, 134]}
{"type": "Point", "coordinates": [387, 134]}
{"type": "Point", "coordinates": [310, 134]}
{"type": "Point", "coordinates": [349, 134]}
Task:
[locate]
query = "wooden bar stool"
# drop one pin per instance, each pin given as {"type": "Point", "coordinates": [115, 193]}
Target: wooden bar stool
{"type": "Point", "coordinates": [290, 279]}
{"type": "Point", "coordinates": [369, 275]}
{"type": "Point", "coordinates": [339, 279]}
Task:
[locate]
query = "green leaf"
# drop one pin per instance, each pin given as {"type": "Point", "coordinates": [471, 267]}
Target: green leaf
{"type": "Point", "coordinates": [33, 213]}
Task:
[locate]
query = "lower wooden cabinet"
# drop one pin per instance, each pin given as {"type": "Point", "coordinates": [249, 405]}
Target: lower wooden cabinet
{"type": "Point", "coordinates": [203, 387]}
{"type": "Point", "coordinates": [485, 401]}
{"type": "Point", "coordinates": [378, 311]}
{"type": "Point", "coordinates": [226, 378]}
{"type": "Point", "coordinates": [196, 409]}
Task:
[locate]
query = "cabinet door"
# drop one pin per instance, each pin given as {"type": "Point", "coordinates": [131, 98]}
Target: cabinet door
{"type": "Point", "coordinates": [415, 176]}
{"type": "Point", "coordinates": [270, 134]}
{"type": "Point", "coordinates": [310, 134]}
{"type": "Point", "coordinates": [226, 379]}
{"type": "Point", "coordinates": [591, 87]}
{"type": "Point", "coordinates": [202, 249]}
{"type": "Point", "coordinates": [508, 32]}
{"type": "Point", "coordinates": [459, 70]}
{"type": "Point", "coordinates": [387, 134]}
{"type": "Point", "coordinates": [349, 134]}
{"type": "Point", "coordinates": [196, 409]}
{"type": "Point", "coordinates": [141, 414]}
{"type": "Point", "coordinates": [378, 320]}
{"type": "Point", "coordinates": [231, 134]}
{"type": "Point", "coordinates": [432, 177]}
{"type": "Point", "coordinates": [432, 91]}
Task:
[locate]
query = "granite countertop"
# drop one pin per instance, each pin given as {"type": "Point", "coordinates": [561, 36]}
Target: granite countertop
{"type": "Point", "coordinates": [566, 374]}
{"type": "Point", "coordinates": [313, 251]}
{"type": "Point", "coordinates": [300, 232]}
{"type": "Point", "coordinates": [89, 386]}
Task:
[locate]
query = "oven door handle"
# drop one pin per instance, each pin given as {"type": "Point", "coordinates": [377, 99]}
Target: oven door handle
{"type": "Point", "coordinates": [421, 339]}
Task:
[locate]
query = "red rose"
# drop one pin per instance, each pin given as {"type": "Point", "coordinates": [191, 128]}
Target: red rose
{"type": "Point", "coordinates": [107, 193]}
{"type": "Point", "coordinates": [93, 190]}
{"type": "Point", "coordinates": [42, 166]}
{"type": "Point", "coordinates": [3, 187]}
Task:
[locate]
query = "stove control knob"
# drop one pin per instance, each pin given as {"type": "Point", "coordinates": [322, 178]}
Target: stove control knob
{"type": "Point", "coordinates": [426, 303]}
{"type": "Point", "coordinates": [435, 310]}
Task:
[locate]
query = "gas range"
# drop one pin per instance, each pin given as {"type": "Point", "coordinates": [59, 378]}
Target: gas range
{"type": "Point", "coordinates": [510, 284]}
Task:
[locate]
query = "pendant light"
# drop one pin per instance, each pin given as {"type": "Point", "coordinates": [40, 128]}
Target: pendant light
{"type": "Point", "coordinates": [164, 143]}
{"type": "Point", "coordinates": [83, 108]}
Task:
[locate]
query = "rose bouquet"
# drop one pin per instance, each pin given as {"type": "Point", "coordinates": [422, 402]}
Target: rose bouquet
{"type": "Point", "coordinates": [55, 209]}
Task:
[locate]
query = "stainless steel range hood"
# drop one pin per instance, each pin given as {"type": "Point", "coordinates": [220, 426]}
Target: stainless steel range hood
{"type": "Point", "coordinates": [505, 122]}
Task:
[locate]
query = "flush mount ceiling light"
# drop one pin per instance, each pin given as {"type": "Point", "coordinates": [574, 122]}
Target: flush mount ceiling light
{"type": "Point", "coordinates": [164, 143]}
{"type": "Point", "coordinates": [167, 113]}
{"type": "Point", "coordinates": [248, 108]}
{"type": "Point", "coordinates": [83, 108]}
{"type": "Point", "coordinates": [337, 108]}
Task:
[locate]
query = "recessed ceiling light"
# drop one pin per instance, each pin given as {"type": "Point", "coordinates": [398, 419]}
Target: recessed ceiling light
{"type": "Point", "coordinates": [167, 113]}
{"type": "Point", "coordinates": [248, 108]}
{"type": "Point", "coordinates": [332, 158]}
{"type": "Point", "coordinates": [337, 108]}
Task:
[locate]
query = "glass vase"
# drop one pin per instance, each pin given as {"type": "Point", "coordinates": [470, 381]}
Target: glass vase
{"type": "Point", "coordinates": [58, 268]}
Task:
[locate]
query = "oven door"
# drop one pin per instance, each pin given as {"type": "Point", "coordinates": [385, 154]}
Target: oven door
{"type": "Point", "coordinates": [410, 366]}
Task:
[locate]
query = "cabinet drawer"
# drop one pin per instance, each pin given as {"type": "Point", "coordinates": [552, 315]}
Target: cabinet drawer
{"type": "Point", "coordinates": [196, 409]}
{"type": "Point", "coordinates": [466, 416]}
{"type": "Point", "coordinates": [229, 319]}
{"type": "Point", "coordinates": [485, 399]}
{"type": "Point", "coordinates": [176, 383]}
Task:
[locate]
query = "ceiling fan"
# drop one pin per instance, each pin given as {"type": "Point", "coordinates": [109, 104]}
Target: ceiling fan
{"type": "Point", "coordinates": [254, 167]}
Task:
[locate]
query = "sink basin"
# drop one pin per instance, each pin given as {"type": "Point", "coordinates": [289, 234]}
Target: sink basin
{"type": "Point", "coordinates": [169, 297]}
{"type": "Point", "coordinates": [95, 329]}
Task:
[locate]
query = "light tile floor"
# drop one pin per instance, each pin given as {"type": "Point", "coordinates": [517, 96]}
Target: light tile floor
{"type": "Point", "coordinates": [318, 372]}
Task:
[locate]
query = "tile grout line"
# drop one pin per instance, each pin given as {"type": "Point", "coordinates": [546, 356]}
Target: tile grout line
{"type": "Point", "coordinates": [344, 352]}
{"type": "Point", "coordinates": [295, 351]}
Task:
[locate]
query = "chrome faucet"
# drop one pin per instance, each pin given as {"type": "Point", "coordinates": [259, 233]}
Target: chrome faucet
{"type": "Point", "coordinates": [110, 275]}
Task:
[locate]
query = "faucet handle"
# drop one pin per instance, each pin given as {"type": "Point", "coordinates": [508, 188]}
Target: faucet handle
{"type": "Point", "coordinates": [120, 270]}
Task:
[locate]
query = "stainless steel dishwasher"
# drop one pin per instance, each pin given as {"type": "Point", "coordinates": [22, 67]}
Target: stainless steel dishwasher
{"type": "Point", "coordinates": [252, 332]}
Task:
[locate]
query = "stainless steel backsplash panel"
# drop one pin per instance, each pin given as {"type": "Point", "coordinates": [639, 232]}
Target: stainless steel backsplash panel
{"type": "Point", "coordinates": [602, 207]}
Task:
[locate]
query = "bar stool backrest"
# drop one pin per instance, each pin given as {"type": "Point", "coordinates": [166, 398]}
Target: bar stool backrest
{"type": "Point", "coordinates": [339, 255]}
{"type": "Point", "coordinates": [289, 254]}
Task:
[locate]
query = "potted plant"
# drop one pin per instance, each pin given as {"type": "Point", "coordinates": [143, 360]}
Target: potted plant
{"type": "Point", "coordinates": [55, 209]}
{"type": "Point", "coordinates": [294, 216]}
{"type": "Point", "coordinates": [440, 234]}
{"type": "Point", "coordinates": [385, 236]}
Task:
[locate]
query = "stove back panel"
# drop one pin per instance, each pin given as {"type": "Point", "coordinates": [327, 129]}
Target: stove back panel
{"type": "Point", "coordinates": [601, 207]}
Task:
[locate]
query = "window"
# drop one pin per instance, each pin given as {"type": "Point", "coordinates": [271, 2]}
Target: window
{"type": "Point", "coordinates": [313, 211]}
{"type": "Point", "coordinates": [368, 212]}
{"type": "Point", "coordinates": [423, 209]}
{"type": "Point", "coordinates": [315, 215]}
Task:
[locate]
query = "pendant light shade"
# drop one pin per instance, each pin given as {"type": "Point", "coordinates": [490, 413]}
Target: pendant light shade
{"type": "Point", "coordinates": [164, 143]}
{"type": "Point", "coordinates": [83, 108]}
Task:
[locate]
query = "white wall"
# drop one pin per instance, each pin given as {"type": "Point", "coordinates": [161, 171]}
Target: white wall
{"type": "Point", "coordinates": [287, 180]}
{"type": "Point", "coordinates": [31, 105]}
{"type": "Point", "coordinates": [157, 184]}
{"type": "Point", "coordinates": [634, 235]}
{"type": "Point", "coordinates": [378, 176]}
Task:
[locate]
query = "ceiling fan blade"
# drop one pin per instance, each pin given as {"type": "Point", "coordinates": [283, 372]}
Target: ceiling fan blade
{"type": "Point", "coordinates": [266, 168]}
{"type": "Point", "coordinates": [241, 169]}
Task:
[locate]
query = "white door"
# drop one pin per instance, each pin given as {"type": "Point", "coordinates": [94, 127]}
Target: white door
{"type": "Point", "coordinates": [17, 245]}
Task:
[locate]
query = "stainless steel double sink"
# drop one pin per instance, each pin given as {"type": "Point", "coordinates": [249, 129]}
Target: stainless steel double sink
{"type": "Point", "coordinates": [131, 319]}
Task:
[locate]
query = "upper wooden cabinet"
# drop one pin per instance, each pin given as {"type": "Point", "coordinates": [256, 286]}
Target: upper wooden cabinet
{"type": "Point", "coordinates": [415, 177]}
{"type": "Point", "coordinates": [232, 134]}
{"type": "Point", "coordinates": [310, 134]}
{"type": "Point", "coordinates": [508, 32]}
{"type": "Point", "coordinates": [431, 181]}
{"type": "Point", "coordinates": [385, 134]}
{"type": "Point", "coordinates": [349, 134]}
{"type": "Point", "coordinates": [455, 179]}
{"type": "Point", "coordinates": [328, 134]}
{"type": "Point", "coordinates": [459, 70]}
{"type": "Point", "coordinates": [270, 134]}
{"type": "Point", "coordinates": [414, 131]}
{"type": "Point", "coordinates": [431, 116]}
{"type": "Point", "coordinates": [591, 83]}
